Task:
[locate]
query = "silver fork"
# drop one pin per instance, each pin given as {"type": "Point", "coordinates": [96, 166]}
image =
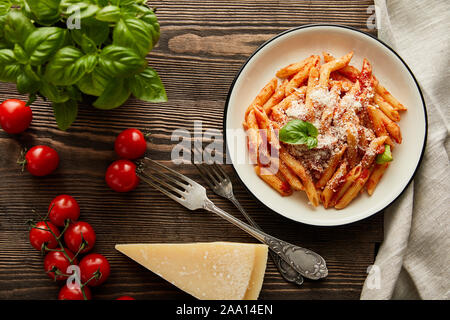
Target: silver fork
{"type": "Point", "coordinates": [193, 196]}
{"type": "Point", "coordinates": [217, 179]}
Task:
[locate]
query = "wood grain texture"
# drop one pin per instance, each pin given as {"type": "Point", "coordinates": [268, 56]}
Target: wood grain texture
{"type": "Point", "coordinates": [203, 44]}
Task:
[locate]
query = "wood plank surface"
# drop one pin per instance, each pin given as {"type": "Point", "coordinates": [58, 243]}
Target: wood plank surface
{"type": "Point", "coordinates": [203, 44]}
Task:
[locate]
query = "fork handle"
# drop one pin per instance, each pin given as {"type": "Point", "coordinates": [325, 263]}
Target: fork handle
{"type": "Point", "coordinates": [286, 271]}
{"type": "Point", "coordinates": [306, 262]}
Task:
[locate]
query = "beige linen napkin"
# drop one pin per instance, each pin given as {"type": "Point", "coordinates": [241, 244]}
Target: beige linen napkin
{"type": "Point", "coordinates": [414, 259]}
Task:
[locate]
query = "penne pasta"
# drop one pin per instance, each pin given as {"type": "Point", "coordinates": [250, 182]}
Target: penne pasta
{"type": "Point", "coordinates": [378, 125]}
{"type": "Point", "coordinates": [300, 171]}
{"type": "Point", "coordinates": [264, 124]}
{"type": "Point", "coordinates": [287, 102]}
{"type": "Point", "coordinates": [365, 76]}
{"type": "Point", "coordinates": [275, 98]}
{"type": "Point", "coordinates": [328, 112]}
{"type": "Point", "coordinates": [387, 109]}
{"type": "Point", "coordinates": [383, 92]}
{"type": "Point", "coordinates": [320, 131]}
{"type": "Point", "coordinates": [375, 177]}
{"type": "Point", "coordinates": [376, 147]}
{"type": "Point", "coordinates": [349, 179]}
{"type": "Point", "coordinates": [329, 171]}
{"type": "Point", "coordinates": [353, 190]}
{"type": "Point", "coordinates": [290, 176]}
{"type": "Point", "coordinates": [300, 76]}
{"type": "Point", "coordinates": [350, 72]}
{"type": "Point", "coordinates": [263, 96]}
{"type": "Point", "coordinates": [272, 180]}
{"type": "Point", "coordinates": [391, 126]}
{"type": "Point", "coordinates": [293, 68]}
{"type": "Point", "coordinates": [253, 136]}
{"type": "Point", "coordinates": [331, 66]}
{"type": "Point", "coordinates": [352, 144]}
{"type": "Point", "coordinates": [334, 184]}
{"type": "Point", "coordinates": [313, 81]}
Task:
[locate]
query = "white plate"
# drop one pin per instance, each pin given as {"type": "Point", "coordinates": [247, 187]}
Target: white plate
{"type": "Point", "coordinates": [297, 44]}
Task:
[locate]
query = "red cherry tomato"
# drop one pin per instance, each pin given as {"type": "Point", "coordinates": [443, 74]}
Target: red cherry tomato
{"type": "Point", "coordinates": [92, 263]}
{"type": "Point", "coordinates": [40, 235]}
{"type": "Point", "coordinates": [130, 144]}
{"type": "Point", "coordinates": [41, 160]}
{"type": "Point", "coordinates": [63, 208]}
{"type": "Point", "coordinates": [125, 298]}
{"type": "Point", "coordinates": [15, 116]}
{"type": "Point", "coordinates": [76, 232]}
{"type": "Point", "coordinates": [121, 176]}
{"type": "Point", "coordinates": [58, 260]}
{"type": "Point", "coordinates": [74, 293]}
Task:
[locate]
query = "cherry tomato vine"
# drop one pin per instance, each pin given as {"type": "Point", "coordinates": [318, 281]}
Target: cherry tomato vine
{"type": "Point", "coordinates": [62, 249]}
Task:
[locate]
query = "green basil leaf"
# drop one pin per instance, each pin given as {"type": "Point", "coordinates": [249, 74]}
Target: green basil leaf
{"type": "Point", "coordinates": [109, 14]}
{"type": "Point", "coordinates": [53, 93]}
{"type": "Point", "coordinates": [146, 15]}
{"type": "Point", "coordinates": [5, 5]}
{"type": "Point", "coordinates": [114, 95]}
{"type": "Point", "coordinates": [102, 3]}
{"type": "Point", "coordinates": [93, 83]}
{"type": "Point", "coordinates": [28, 81]}
{"type": "Point", "coordinates": [65, 113]}
{"type": "Point", "coordinates": [118, 61]}
{"type": "Point", "coordinates": [87, 44]}
{"type": "Point", "coordinates": [124, 3]}
{"type": "Point", "coordinates": [47, 12]}
{"type": "Point", "coordinates": [32, 73]}
{"type": "Point", "coordinates": [74, 93]}
{"type": "Point", "coordinates": [311, 142]}
{"type": "Point", "coordinates": [9, 68]}
{"type": "Point", "coordinates": [17, 27]}
{"type": "Point", "coordinates": [3, 42]}
{"type": "Point", "coordinates": [9, 73]}
{"type": "Point", "coordinates": [133, 33]}
{"type": "Point", "coordinates": [81, 9]}
{"type": "Point", "coordinates": [386, 156]}
{"type": "Point", "coordinates": [43, 43]}
{"type": "Point", "coordinates": [150, 18]}
{"type": "Point", "coordinates": [7, 57]}
{"type": "Point", "coordinates": [27, 11]}
{"type": "Point", "coordinates": [97, 31]}
{"type": "Point", "coordinates": [90, 62]}
{"type": "Point", "coordinates": [299, 132]}
{"type": "Point", "coordinates": [147, 86]}
{"type": "Point", "coordinates": [66, 67]}
{"type": "Point", "coordinates": [20, 54]}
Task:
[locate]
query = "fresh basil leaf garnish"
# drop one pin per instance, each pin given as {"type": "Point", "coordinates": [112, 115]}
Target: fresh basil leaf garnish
{"type": "Point", "coordinates": [299, 132]}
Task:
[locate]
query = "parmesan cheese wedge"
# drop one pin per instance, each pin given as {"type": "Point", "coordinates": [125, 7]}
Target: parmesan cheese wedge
{"type": "Point", "coordinates": [207, 271]}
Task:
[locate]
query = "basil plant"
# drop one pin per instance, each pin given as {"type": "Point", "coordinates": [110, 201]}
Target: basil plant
{"type": "Point", "coordinates": [61, 50]}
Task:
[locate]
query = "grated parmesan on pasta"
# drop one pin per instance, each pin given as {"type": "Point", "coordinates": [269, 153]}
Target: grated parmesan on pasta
{"type": "Point", "coordinates": [347, 114]}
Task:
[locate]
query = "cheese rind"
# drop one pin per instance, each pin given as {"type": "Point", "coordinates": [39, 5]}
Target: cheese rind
{"type": "Point", "coordinates": [211, 271]}
{"type": "Point", "coordinates": [257, 277]}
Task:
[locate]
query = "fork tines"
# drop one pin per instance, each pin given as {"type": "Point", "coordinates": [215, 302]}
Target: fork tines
{"type": "Point", "coordinates": [164, 179]}
{"type": "Point", "coordinates": [215, 173]}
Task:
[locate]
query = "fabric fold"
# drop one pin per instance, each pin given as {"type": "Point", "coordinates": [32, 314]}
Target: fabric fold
{"type": "Point", "coordinates": [414, 258]}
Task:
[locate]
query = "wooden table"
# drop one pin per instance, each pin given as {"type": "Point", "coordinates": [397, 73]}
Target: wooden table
{"type": "Point", "coordinates": [203, 44]}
